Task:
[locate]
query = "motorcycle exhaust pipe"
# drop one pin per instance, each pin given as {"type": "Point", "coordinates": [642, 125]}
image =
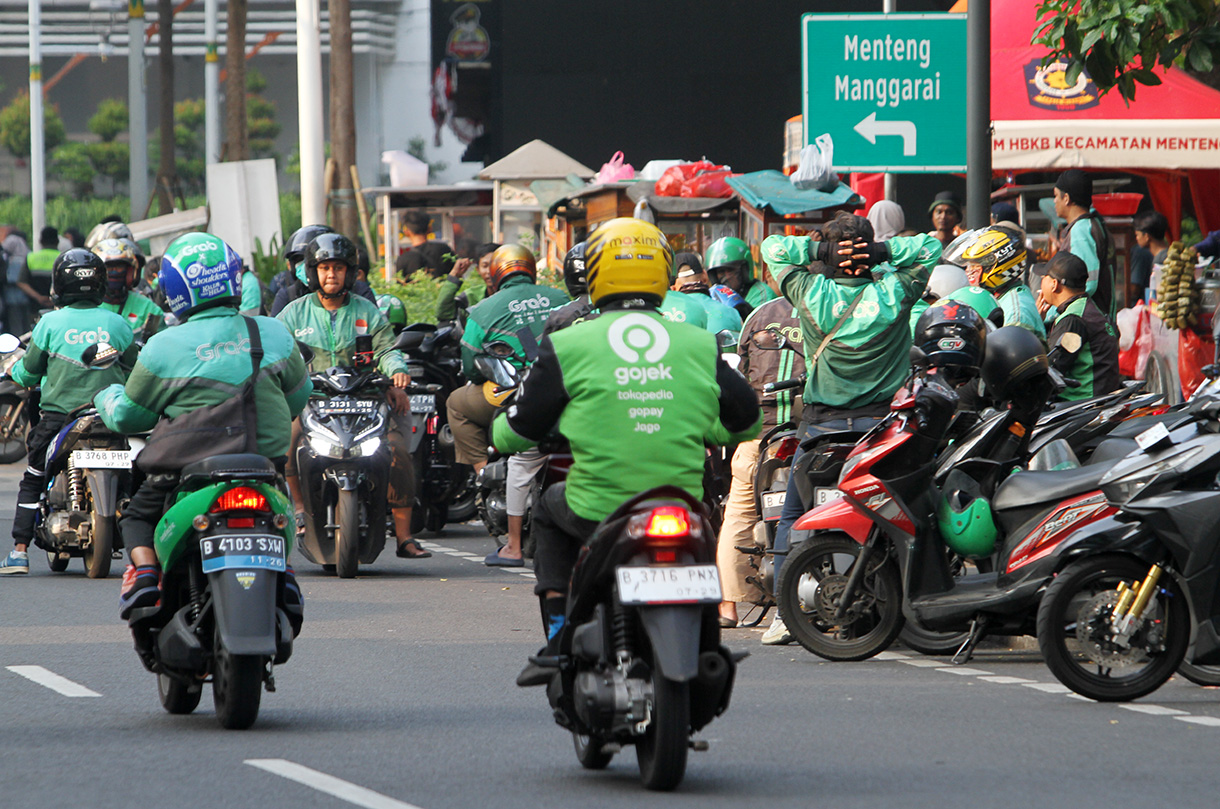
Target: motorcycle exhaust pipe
{"type": "Point", "coordinates": [444, 437]}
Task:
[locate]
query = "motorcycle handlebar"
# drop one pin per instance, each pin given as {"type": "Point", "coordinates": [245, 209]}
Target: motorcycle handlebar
{"type": "Point", "coordinates": [784, 384]}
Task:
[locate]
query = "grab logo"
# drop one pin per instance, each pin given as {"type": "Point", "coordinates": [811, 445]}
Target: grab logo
{"type": "Point", "coordinates": [634, 334]}
{"type": "Point", "coordinates": [76, 336]}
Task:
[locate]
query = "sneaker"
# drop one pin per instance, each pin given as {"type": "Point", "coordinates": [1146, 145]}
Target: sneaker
{"type": "Point", "coordinates": [141, 588]}
{"type": "Point", "coordinates": [777, 634]}
{"type": "Point", "coordinates": [16, 562]}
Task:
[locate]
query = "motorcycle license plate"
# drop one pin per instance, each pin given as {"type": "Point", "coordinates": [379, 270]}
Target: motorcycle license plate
{"type": "Point", "coordinates": [772, 505]}
{"type": "Point", "coordinates": [344, 407]}
{"type": "Point", "coordinates": [252, 552]}
{"type": "Point", "coordinates": [824, 494]}
{"type": "Point", "coordinates": [102, 458]}
{"type": "Point", "coordinates": [423, 402]}
{"type": "Point", "coordinates": [686, 584]}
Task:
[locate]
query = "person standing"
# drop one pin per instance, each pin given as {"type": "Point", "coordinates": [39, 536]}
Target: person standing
{"type": "Point", "coordinates": [1088, 237]}
{"type": "Point", "coordinates": [35, 277]}
{"type": "Point", "coordinates": [425, 254]}
{"type": "Point", "coordinates": [946, 213]}
{"type": "Point", "coordinates": [1151, 248]}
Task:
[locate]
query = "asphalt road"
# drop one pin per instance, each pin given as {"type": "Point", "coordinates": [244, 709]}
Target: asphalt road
{"type": "Point", "coordinates": [400, 694]}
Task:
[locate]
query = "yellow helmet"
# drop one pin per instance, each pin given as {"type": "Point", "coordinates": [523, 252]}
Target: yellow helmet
{"type": "Point", "coordinates": [1000, 253]}
{"type": "Point", "coordinates": [627, 257]}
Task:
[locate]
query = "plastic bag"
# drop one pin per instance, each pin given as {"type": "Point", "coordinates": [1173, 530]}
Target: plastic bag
{"type": "Point", "coordinates": [671, 182]}
{"type": "Point", "coordinates": [1194, 352]}
{"type": "Point", "coordinates": [816, 166]}
{"type": "Point", "coordinates": [615, 170]}
{"type": "Point", "coordinates": [1134, 340]}
{"type": "Point", "coordinates": [708, 184]}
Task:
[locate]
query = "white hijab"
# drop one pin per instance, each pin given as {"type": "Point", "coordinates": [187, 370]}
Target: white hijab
{"type": "Point", "coordinates": [887, 219]}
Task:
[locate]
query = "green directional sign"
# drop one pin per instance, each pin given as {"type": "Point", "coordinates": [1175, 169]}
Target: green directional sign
{"type": "Point", "coordinates": [890, 89]}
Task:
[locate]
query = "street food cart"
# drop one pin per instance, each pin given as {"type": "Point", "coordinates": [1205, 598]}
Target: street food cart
{"type": "Point", "coordinates": [461, 215]}
{"type": "Point", "coordinates": [517, 211]}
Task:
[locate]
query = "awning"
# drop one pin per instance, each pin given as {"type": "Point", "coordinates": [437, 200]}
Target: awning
{"type": "Point", "coordinates": [772, 189]}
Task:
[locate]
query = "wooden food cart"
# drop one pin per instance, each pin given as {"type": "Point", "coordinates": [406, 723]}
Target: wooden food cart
{"type": "Point", "coordinates": [461, 215]}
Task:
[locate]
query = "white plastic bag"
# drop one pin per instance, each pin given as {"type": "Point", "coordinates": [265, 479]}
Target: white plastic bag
{"type": "Point", "coordinates": [815, 169]}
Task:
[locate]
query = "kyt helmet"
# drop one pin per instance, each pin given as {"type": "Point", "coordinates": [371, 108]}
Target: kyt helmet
{"type": "Point", "coordinates": [729, 252]}
{"type": "Point", "coordinates": [1014, 359]}
{"type": "Point", "coordinates": [952, 336]}
{"type": "Point", "coordinates": [510, 260]}
{"type": "Point", "coordinates": [121, 266]}
{"type": "Point", "coordinates": [394, 310]}
{"type": "Point", "coordinates": [78, 275]}
{"type": "Point", "coordinates": [575, 277]}
{"type": "Point", "coordinates": [1000, 254]}
{"type": "Point", "coordinates": [330, 247]}
{"type": "Point", "coordinates": [628, 258]}
{"type": "Point", "coordinates": [199, 271]}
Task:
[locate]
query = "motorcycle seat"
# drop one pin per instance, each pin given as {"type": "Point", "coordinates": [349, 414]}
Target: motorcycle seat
{"type": "Point", "coordinates": [221, 467]}
{"type": "Point", "coordinates": [1027, 488]}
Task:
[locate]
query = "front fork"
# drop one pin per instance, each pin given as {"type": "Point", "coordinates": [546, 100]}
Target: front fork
{"type": "Point", "coordinates": [1133, 599]}
{"type": "Point", "coordinates": [857, 575]}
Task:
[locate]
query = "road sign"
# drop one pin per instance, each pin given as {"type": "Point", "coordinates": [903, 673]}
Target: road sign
{"type": "Point", "coordinates": [889, 88]}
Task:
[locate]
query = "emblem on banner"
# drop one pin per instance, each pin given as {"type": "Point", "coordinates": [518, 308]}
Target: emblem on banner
{"type": "Point", "coordinates": [1049, 90]}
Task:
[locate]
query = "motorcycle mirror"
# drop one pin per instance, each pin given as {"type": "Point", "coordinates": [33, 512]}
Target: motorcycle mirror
{"type": "Point", "coordinates": [99, 355]}
{"type": "Point", "coordinates": [461, 300]}
{"type": "Point", "coordinates": [9, 343]}
{"type": "Point", "coordinates": [306, 352]}
{"type": "Point", "coordinates": [769, 339]}
{"type": "Point", "coordinates": [726, 338]}
{"type": "Point", "coordinates": [362, 355]}
{"type": "Point", "coordinates": [918, 357]}
{"type": "Point", "coordinates": [499, 349]}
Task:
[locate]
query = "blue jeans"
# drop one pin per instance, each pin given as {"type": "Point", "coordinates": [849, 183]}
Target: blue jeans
{"type": "Point", "coordinates": [793, 508]}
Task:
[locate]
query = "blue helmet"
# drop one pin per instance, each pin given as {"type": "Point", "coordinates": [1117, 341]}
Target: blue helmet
{"type": "Point", "coordinates": [199, 270]}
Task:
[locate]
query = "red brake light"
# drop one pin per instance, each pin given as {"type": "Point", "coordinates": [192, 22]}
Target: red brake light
{"type": "Point", "coordinates": [668, 522]}
{"type": "Point", "coordinates": [665, 556]}
{"type": "Point", "coordinates": [787, 448]}
{"type": "Point", "coordinates": [242, 498]}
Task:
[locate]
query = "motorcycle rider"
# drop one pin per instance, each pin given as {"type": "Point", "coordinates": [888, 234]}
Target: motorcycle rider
{"type": "Point", "coordinates": [680, 307]}
{"type": "Point", "coordinates": [328, 321]}
{"type": "Point", "coordinates": [516, 311]}
{"type": "Point", "coordinates": [692, 281]}
{"type": "Point", "coordinates": [122, 266]}
{"type": "Point", "coordinates": [1083, 341]}
{"type": "Point", "coordinates": [446, 302]}
{"type": "Point", "coordinates": [575, 279]}
{"type": "Point", "coordinates": [854, 306]}
{"type": "Point", "coordinates": [78, 282]}
{"type": "Point", "coordinates": [293, 283]}
{"type": "Point", "coordinates": [617, 448]}
{"type": "Point", "coordinates": [996, 262]}
{"type": "Point", "coordinates": [944, 281]}
{"type": "Point", "coordinates": [184, 369]}
{"type": "Point", "coordinates": [729, 262]}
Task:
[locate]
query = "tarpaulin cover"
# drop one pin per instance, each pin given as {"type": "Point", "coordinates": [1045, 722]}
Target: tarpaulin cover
{"type": "Point", "coordinates": [772, 189]}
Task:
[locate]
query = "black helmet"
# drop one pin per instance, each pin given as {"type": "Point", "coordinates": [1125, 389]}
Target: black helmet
{"type": "Point", "coordinates": [575, 276]}
{"type": "Point", "coordinates": [294, 248]}
{"type": "Point", "coordinates": [951, 336]}
{"type": "Point", "coordinates": [330, 247]}
{"type": "Point", "coordinates": [78, 275]}
{"type": "Point", "coordinates": [1013, 361]}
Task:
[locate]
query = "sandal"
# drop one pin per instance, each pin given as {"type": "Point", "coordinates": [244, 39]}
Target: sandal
{"type": "Point", "coordinates": [404, 550]}
{"type": "Point", "coordinates": [300, 520]}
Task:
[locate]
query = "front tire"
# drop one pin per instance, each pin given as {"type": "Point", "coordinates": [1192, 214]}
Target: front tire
{"type": "Point", "coordinates": [13, 430]}
{"type": "Point", "coordinates": [347, 535]}
{"type": "Point", "coordinates": [1073, 622]}
{"type": "Point", "coordinates": [176, 697]}
{"type": "Point", "coordinates": [661, 751]}
{"type": "Point", "coordinates": [1200, 675]}
{"type": "Point", "coordinates": [97, 555]}
{"type": "Point", "coordinates": [237, 686]}
{"type": "Point", "coordinates": [810, 588]}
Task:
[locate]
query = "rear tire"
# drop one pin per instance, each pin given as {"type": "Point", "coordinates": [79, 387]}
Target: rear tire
{"type": "Point", "coordinates": [347, 535]}
{"type": "Point", "coordinates": [176, 697]}
{"type": "Point", "coordinates": [237, 686]}
{"type": "Point", "coordinates": [589, 752]}
{"type": "Point", "coordinates": [661, 751]}
{"type": "Point", "coordinates": [57, 563]}
{"type": "Point", "coordinates": [97, 555]}
{"type": "Point", "coordinates": [1200, 675]}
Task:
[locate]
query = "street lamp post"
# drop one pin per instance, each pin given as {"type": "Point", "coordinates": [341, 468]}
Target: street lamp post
{"type": "Point", "coordinates": [38, 176]}
{"type": "Point", "coordinates": [309, 102]}
{"type": "Point", "coordinates": [137, 111]}
{"type": "Point", "coordinates": [211, 84]}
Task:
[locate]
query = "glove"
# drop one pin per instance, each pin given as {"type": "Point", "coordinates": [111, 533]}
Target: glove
{"type": "Point", "coordinates": [878, 252]}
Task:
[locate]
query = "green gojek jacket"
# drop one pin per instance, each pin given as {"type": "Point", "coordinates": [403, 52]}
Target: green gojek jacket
{"type": "Point", "coordinates": [53, 357]}
{"type": "Point", "coordinates": [682, 308]}
{"type": "Point", "coordinates": [251, 294]}
{"type": "Point", "coordinates": [867, 360]}
{"type": "Point", "coordinates": [518, 304]}
{"type": "Point", "coordinates": [142, 315]}
{"type": "Point", "coordinates": [204, 361]}
{"type": "Point", "coordinates": [332, 335]}
{"type": "Point", "coordinates": [1021, 310]}
{"type": "Point", "coordinates": [637, 397]}
{"type": "Point", "coordinates": [719, 316]}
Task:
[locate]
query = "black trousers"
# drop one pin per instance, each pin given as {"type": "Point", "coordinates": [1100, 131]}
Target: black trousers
{"type": "Point", "coordinates": [34, 481]}
{"type": "Point", "coordinates": [560, 533]}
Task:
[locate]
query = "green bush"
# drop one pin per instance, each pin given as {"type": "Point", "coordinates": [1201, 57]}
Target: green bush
{"type": "Point", "coordinates": [15, 126]}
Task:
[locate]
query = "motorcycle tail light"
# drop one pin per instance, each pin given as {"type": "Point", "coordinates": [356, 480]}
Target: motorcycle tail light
{"type": "Point", "coordinates": [240, 522]}
{"type": "Point", "coordinates": [433, 424]}
{"type": "Point", "coordinates": [668, 522]}
{"type": "Point", "coordinates": [665, 556]}
{"type": "Point", "coordinates": [241, 498]}
{"type": "Point", "coordinates": [787, 448]}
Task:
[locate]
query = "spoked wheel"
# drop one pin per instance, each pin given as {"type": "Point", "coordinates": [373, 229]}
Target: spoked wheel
{"type": "Point", "coordinates": [811, 588]}
{"type": "Point", "coordinates": [57, 562]}
{"type": "Point", "coordinates": [661, 751]}
{"type": "Point", "coordinates": [1076, 632]}
{"type": "Point", "coordinates": [13, 426]}
{"type": "Point", "coordinates": [97, 555]}
{"type": "Point", "coordinates": [1200, 675]}
{"type": "Point", "coordinates": [237, 686]}
{"type": "Point", "coordinates": [347, 535]}
{"type": "Point", "coordinates": [589, 752]}
{"type": "Point", "coordinates": [176, 696]}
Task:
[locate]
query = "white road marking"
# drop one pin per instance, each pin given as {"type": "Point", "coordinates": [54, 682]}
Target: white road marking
{"type": "Point", "coordinates": [53, 681]}
{"type": "Point", "coordinates": [1210, 721]}
{"type": "Point", "coordinates": [965, 671]}
{"type": "Point", "coordinates": [1049, 688]}
{"type": "Point", "coordinates": [473, 557]}
{"type": "Point", "coordinates": [1001, 679]}
{"type": "Point", "coordinates": [891, 656]}
{"type": "Point", "coordinates": [336, 787]}
{"type": "Point", "coordinates": [922, 663]}
{"type": "Point", "coordinates": [1154, 710]}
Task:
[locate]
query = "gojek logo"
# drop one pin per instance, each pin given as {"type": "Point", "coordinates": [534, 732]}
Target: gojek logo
{"type": "Point", "coordinates": [637, 336]}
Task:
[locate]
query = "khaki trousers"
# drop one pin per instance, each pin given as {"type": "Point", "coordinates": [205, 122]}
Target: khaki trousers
{"type": "Point", "coordinates": [470, 417]}
{"type": "Point", "coordinates": [740, 517]}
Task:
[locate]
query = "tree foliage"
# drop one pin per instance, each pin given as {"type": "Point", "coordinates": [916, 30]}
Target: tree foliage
{"type": "Point", "coordinates": [1122, 44]}
{"type": "Point", "coordinates": [110, 119]}
{"type": "Point", "coordinates": [70, 164]}
{"type": "Point", "coordinates": [15, 126]}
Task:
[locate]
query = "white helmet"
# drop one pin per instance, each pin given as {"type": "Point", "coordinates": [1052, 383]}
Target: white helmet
{"type": "Point", "coordinates": [945, 280]}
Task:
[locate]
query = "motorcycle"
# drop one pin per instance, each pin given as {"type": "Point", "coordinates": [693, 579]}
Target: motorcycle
{"type": "Point", "coordinates": [343, 461]}
{"type": "Point", "coordinates": [446, 488]}
{"type": "Point", "coordinates": [640, 661]}
{"type": "Point", "coordinates": [16, 402]}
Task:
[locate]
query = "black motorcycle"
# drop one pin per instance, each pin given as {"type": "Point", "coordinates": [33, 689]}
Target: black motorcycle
{"type": "Point", "coordinates": [16, 402]}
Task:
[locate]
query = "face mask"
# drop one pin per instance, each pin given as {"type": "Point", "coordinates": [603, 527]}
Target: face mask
{"type": "Point", "coordinates": [300, 273]}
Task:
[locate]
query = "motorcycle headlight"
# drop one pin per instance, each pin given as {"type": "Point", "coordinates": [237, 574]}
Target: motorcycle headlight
{"type": "Point", "coordinates": [368, 446]}
{"type": "Point", "coordinates": [322, 446]}
{"type": "Point", "coordinates": [1127, 487]}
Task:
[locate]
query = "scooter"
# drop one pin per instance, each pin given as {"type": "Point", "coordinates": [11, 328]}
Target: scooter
{"type": "Point", "coordinates": [15, 402]}
{"type": "Point", "coordinates": [640, 661]}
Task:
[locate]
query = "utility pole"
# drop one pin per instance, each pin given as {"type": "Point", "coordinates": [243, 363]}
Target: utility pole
{"type": "Point", "coordinates": [237, 134]}
{"type": "Point", "coordinates": [309, 103]}
{"type": "Point", "coordinates": [137, 111]}
{"type": "Point", "coordinates": [211, 85]}
{"type": "Point", "coordinates": [978, 114]}
{"type": "Point", "coordinates": [38, 168]}
{"type": "Point", "coordinates": [343, 118]}
{"type": "Point", "coordinates": [891, 180]}
{"type": "Point", "coordinates": [167, 172]}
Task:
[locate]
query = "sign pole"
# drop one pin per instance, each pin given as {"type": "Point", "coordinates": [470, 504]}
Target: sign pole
{"type": "Point", "coordinates": [211, 84]}
{"type": "Point", "coordinates": [137, 111]}
{"type": "Point", "coordinates": [38, 178]}
{"type": "Point", "coordinates": [891, 179]}
{"type": "Point", "coordinates": [309, 100]}
{"type": "Point", "coordinates": [978, 114]}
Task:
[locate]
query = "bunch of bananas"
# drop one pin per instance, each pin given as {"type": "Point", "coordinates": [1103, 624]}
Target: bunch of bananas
{"type": "Point", "coordinates": [1177, 300]}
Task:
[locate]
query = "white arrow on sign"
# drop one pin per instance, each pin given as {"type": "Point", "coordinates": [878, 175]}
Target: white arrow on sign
{"type": "Point", "coordinates": [870, 128]}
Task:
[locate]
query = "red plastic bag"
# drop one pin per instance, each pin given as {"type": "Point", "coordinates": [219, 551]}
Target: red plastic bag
{"type": "Point", "coordinates": [708, 184]}
{"type": "Point", "coordinates": [1194, 352]}
{"type": "Point", "coordinates": [1133, 359]}
{"type": "Point", "coordinates": [670, 184]}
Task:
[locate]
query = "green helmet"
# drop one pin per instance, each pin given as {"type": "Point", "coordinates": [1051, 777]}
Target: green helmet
{"type": "Point", "coordinates": [964, 518]}
{"type": "Point", "coordinates": [977, 298]}
{"type": "Point", "coordinates": [393, 309]}
{"type": "Point", "coordinates": [730, 250]}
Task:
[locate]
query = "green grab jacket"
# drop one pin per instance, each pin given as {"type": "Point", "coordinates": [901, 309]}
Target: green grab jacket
{"type": "Point", "coordinates": [142, 315]}
{"type": "Point", "coordinates": [332, 335]}
{"type": "Point", "coordinates": [682, 308]}
{"type": "Point", "coordinates": [517, 304]}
